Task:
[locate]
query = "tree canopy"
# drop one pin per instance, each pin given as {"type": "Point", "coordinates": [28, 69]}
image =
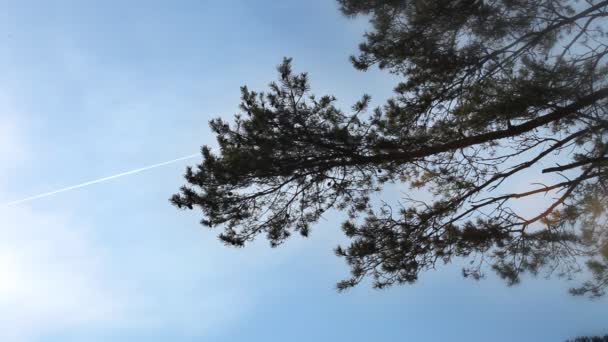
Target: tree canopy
{"type": "Point", "coordinates": [490, 90]}
{"type": "Point", "coordinates": [590, 339]}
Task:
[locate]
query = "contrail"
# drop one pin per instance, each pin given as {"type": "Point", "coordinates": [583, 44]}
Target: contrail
{"type": "Point", "coordinates": [100, 180]}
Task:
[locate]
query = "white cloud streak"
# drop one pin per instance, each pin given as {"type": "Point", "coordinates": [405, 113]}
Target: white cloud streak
{"type": "Point", "coordinates": [100, 180]}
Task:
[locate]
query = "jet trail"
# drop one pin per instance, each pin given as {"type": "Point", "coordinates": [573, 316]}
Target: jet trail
{"type": "Point", "coordinates": [100, 180]}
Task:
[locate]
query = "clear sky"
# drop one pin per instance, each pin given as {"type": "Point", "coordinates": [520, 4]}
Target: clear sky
{"type": "Point", "coordinates": [89, 89]}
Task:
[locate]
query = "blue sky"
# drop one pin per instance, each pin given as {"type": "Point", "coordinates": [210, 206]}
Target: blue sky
{"type": "Point", "coordinates": [92, 88]}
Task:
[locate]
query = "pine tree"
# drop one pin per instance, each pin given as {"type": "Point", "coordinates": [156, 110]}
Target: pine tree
{"type": "Point", "coordinates": [590, 339]}
{"type": "Point", "coordinates": [490, 90]}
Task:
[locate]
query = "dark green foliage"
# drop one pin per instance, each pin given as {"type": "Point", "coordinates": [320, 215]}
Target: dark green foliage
{"type": "Point", "coordinates": [590, 339]}
{"type": "Point", "coordinates": [490, 89]}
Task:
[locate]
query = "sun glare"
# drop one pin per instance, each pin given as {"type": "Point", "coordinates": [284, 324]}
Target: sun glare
{"type": "Point", "coordinates": [9, 274]}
